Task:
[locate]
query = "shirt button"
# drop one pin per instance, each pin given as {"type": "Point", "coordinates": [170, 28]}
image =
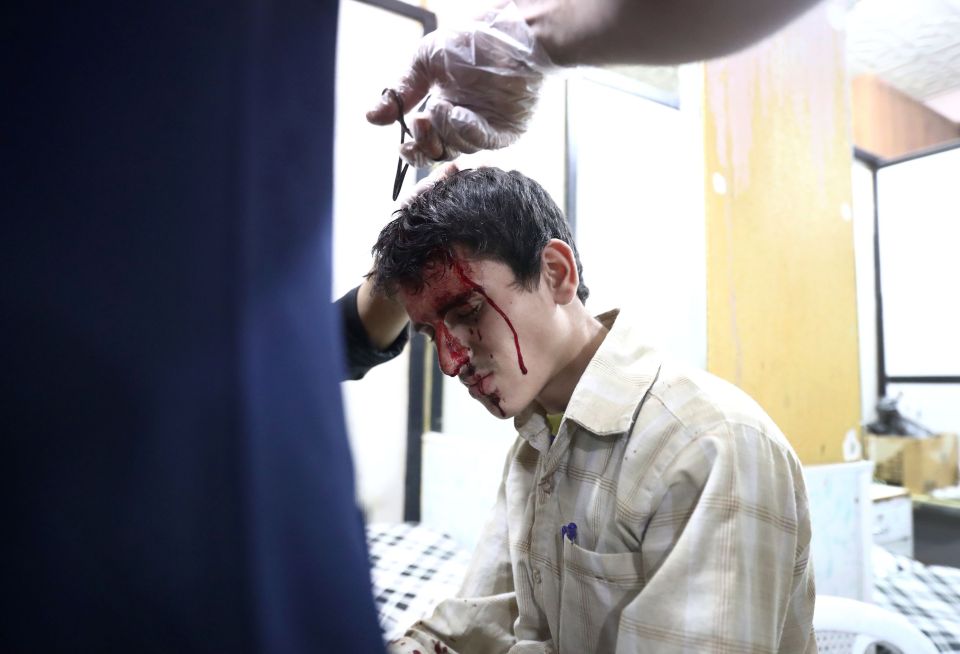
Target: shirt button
{"type": "Point", "coordinates": [536, 576]}
{"type": "Point", "coordinates": [546, 485]}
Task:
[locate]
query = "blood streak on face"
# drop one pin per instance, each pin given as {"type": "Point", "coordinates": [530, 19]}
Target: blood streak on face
{"type": "Point", "coordinates": [496, 401]}
{"type": "Point", "coordinates": [479, 289]}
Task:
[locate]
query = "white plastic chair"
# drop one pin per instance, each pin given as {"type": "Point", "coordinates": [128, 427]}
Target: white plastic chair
{"type": "Point", "coordinates": [850, 626]}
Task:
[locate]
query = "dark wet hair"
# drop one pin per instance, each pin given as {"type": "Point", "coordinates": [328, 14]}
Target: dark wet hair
{"type": "Point", "coordinates": [503, 216]}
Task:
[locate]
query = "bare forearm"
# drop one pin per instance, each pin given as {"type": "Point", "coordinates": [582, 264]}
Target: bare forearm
{"type": "Point", "coordinates": [383, 318]}
{"type": "Point", "coordinates": [653, 31]}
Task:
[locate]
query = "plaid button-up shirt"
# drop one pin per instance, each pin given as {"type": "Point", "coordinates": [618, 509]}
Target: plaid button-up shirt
{"type": "Point", "coordinates": [692, 526]}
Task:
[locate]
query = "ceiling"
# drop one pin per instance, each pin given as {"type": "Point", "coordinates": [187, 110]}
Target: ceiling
{"type": "Point", "coordinates": [912, 45]}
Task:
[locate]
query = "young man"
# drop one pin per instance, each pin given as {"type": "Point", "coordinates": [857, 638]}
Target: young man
{"type": "Point", "coordinates": [664, 513]}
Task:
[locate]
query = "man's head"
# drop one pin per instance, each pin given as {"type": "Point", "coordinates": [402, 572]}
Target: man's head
{"type": "Point", "coordinates": [485, 265]}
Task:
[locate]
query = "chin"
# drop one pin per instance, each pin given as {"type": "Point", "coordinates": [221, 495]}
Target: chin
{"type": "Point", "coordinates": [498, 409]}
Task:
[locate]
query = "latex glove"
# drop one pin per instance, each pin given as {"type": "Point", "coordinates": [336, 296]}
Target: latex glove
{"type": "Point", "coordinates": [483, 81]}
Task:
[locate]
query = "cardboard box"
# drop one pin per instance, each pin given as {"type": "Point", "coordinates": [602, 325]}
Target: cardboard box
{"type": "Point", "coordinates": [920, 464]}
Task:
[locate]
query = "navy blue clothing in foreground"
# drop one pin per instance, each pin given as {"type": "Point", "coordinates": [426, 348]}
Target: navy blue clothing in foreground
{"type": "Point", "coordinates": [180, 479]}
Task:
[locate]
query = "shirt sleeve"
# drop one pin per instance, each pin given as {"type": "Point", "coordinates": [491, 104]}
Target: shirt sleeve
{"type": "Point", "coordinates": [362, 355]}
{"type": "Point", "coordinates": [725, 553]}
{"type": "Point", "coordinates": [480, 619]}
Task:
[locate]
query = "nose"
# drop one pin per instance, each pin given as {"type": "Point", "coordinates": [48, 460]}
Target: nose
{"type": "Point", "coordinates": [451, 353]}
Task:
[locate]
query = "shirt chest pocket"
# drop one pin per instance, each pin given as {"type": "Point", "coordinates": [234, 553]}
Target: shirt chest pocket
{"type": "Point", "coordinates": [594, 590]}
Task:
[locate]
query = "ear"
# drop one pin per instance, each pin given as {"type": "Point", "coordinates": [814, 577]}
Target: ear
{"type": "Point", "coordinates": [558, 270]}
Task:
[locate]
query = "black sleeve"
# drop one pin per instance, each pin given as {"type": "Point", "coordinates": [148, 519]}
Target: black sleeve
{"type": "Point", "coordinates": [361, 353]}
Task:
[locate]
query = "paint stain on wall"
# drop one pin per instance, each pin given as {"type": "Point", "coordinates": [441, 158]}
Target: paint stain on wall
{"type": "Point", "coordinates": [781, 301]}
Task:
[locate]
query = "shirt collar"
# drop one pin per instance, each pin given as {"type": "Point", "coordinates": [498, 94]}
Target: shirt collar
{"type": "Point", "coordinates": [606, 398]}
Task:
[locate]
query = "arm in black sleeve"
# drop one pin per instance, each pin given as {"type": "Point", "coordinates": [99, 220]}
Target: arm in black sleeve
{"type": "Point", "coordinates": [361, 353]}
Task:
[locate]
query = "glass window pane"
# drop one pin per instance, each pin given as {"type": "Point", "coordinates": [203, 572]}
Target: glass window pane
{"type": "Point", "coordinates": [919, 224]}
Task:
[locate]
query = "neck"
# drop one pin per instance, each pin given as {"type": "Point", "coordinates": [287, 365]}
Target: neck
{"type": "Point", "coordinates": [584, 341]}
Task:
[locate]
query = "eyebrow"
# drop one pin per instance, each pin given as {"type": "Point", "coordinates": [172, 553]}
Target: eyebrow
{"type": "Point", "coordinates": [456, 301]}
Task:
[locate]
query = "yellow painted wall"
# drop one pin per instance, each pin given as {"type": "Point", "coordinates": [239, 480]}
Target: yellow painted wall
{"type": "Point", "coordinates": [781, 295]}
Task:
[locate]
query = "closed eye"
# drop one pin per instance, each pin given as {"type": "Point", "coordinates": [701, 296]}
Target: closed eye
{"type": "Point", "coordinates": [471, 314]}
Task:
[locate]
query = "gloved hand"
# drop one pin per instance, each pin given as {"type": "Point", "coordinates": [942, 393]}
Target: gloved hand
{"type": "Point", "coordinates": [483, 81]}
